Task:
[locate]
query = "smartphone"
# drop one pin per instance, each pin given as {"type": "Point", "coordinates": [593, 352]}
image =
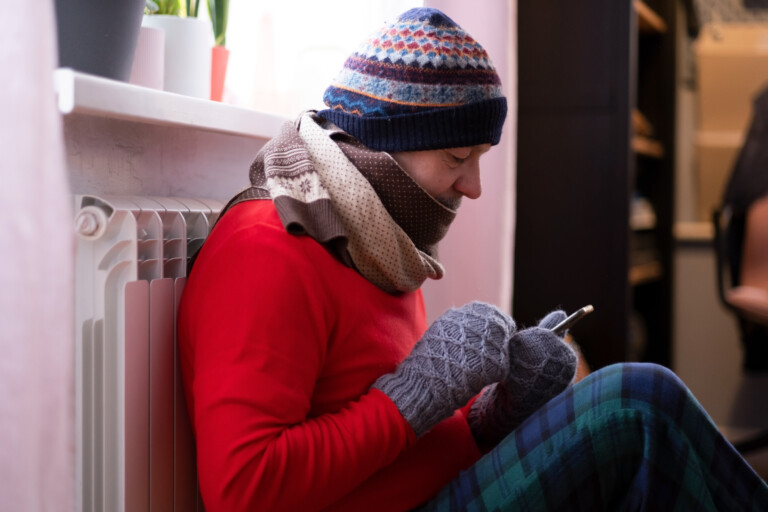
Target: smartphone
{"type": "Point", "coordinates": [569, 322]}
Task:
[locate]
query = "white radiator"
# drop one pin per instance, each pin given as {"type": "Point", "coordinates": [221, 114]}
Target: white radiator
{"type": "Point", "coordinates": [135, 450]}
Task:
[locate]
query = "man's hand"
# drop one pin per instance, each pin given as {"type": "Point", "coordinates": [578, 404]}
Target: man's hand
{"type": "Point", "coordinates": [541, 366]}
{"type": "Point", "coordinates": [463, 351]}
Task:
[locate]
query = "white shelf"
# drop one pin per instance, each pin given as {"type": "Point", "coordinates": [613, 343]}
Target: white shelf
{"type": "Point", "coordinates": [80, 93]}
{"type": "Point", "coordinates": [647, 147]}
{"type": "Point", "coordinates": [647, 19]}
{"type": "Point", "coordinates": [122, 139]}
{"type": "Point", "coordinates": [694, 231]}
{"type": "Point", "coordinates": [645, 272]}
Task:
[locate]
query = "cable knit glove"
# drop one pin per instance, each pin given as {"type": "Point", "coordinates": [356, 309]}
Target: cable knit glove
{"type": "Point", "coordinates": [463, 351]}
{"type": "Point", "coordinates": [541, 366]}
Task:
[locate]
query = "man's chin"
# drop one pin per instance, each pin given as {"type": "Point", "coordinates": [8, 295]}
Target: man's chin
{"type": "Point", "coordinates": [452, 203]}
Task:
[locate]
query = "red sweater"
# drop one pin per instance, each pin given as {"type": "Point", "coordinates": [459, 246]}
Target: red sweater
{"type": "Point", "coordinates": [279, 346]}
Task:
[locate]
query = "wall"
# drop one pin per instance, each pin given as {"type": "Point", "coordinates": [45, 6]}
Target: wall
{"type": "Point", "coordinates": [36, 286]}
{"type": "Point", "coordinates": [477, 253]}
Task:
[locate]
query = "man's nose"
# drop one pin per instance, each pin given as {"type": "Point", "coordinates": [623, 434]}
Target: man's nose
{"type": "Point", "coordinates": [468, 183]}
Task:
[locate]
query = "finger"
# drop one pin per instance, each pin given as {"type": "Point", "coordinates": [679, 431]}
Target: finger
{"type": "Point", "coordinates": [552, 319]}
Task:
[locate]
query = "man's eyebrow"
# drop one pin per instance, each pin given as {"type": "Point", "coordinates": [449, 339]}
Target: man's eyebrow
{"type": "Point", "coordinates": [461, 151]}
{"type": "Point", "coordinates": [480, 149]}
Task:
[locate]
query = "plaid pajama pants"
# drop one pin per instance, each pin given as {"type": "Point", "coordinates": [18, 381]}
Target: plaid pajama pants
{"type": "Point", "coordinates": [628, 437]}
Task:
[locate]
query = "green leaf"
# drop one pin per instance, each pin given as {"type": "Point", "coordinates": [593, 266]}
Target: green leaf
{"type": "Point", "coordinates": [192, 8]}
{"type": "Point", "coordinates": [170, 7]}
{"type": "Point", "coordinates": [219, 13]}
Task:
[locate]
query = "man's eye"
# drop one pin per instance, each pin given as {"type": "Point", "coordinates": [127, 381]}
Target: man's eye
{"type": "Point", "coordinates": [455, 160]}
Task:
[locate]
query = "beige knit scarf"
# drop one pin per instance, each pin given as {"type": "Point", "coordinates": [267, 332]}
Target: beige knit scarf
{"type": "Point", "coordinates": [357, 202]}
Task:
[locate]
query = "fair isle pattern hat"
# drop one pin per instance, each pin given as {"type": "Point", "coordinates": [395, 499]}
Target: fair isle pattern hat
{"type": "Point", "coordinates": [419, 83]}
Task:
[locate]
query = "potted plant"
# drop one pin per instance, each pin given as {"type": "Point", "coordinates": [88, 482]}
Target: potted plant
{"type": "Point", "coordinates": [187, 45]}
{"type": "Point", "coordinates": [219, 13]}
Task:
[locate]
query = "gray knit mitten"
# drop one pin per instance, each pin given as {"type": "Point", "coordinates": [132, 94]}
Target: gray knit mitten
{"type": "Point", "coordinates": [463, 351]}
{"type": "Point", "coordinates": [541, 366]}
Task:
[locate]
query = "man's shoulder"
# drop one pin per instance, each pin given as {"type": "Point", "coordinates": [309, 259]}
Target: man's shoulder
{"type": "Point", "coordinates": [249, 222]}
{"type": "Point", "coordinates": [257, 213]}
{"type": "Point", "coordinates": [256, 226]}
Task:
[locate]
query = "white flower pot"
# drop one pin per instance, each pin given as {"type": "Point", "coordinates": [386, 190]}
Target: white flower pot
{"type": "Point", "coordinates": [187, 55]}
{"type": "Point", "coordinates": [149, 60]}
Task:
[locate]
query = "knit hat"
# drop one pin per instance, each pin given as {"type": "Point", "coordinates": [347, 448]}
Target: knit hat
{"type": "Point", "coordinates": [419, 83]}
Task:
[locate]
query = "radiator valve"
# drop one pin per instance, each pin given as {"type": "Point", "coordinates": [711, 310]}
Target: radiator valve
{"type": "Point", "coordinates": [90, 222]}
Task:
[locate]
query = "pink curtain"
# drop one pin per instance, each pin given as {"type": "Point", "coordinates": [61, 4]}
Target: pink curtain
{"type": "Point", "coordinates": [36, 274]}
{"type": "Point", "coordinates": [477, 253]}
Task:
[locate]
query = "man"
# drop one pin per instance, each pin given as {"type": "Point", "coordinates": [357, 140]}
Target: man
{"type": "Point", "coordinates": [310, 379]}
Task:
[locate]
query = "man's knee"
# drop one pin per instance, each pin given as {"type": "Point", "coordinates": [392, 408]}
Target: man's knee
{"type": "Point", "coordinates": [655, 385]}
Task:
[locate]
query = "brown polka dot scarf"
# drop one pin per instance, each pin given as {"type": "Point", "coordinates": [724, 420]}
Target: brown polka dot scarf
{"type": "Point", "coordinates": [357, 202]}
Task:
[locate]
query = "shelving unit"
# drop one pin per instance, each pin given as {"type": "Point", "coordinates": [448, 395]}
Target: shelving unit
{"type": "Point", "coordinates": [651, 297]}
{"type": "Point", "coordinates": [596, 131]}
{"type": "Point", "coordinates": [80, 93]}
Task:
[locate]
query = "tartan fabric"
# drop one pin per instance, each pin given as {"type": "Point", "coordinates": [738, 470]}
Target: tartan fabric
{"type": "Point", "coordinates": [628, 437]}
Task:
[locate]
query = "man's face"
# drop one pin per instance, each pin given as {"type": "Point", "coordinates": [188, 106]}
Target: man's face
{"type": "Point", "coordinates": [445, 174]}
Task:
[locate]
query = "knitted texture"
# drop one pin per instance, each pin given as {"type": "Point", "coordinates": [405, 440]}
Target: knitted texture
{"type": "Point", "coordinates": [462, 352]}
{"type": "Point", "coordinates": [382, 252]}
{"type": "Point", "coordinates": [318, 191]}
{"type": "Point", "coordinates": [419, 83]}
{"type": "Point", "coordinates": [541, 366]}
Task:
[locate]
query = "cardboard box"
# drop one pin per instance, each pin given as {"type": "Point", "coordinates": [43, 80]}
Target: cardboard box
{"type": "Point", "coordinates": [716, 154]}
{"type": "Point", "coordinates": [732, 65]}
